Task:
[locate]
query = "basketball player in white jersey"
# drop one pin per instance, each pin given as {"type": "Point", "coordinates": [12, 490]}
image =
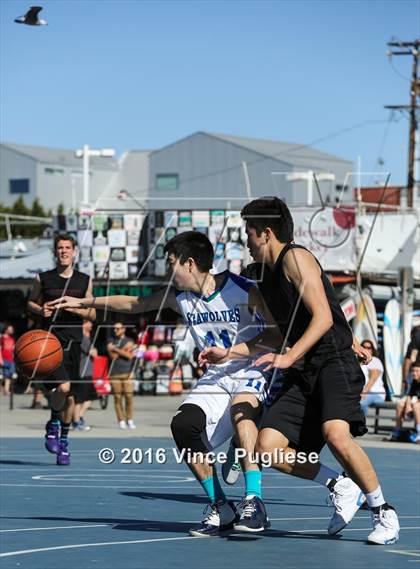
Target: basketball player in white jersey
{"type": "Point", "coordinates": [220, 310]}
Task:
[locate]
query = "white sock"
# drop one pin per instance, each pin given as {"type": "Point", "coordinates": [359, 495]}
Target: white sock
{"type": "Point", "coordinates": [376, 498]}
{"type": "Point", "coordinates": [418, 428]}
{"type": "Point", "coordinates": [325, 475]}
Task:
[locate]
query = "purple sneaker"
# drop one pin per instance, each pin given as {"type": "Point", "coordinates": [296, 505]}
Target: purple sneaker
{"type": "Point", "coordinates": [51, 437]}
{"type": "Point", "coordinates": [63, 455]}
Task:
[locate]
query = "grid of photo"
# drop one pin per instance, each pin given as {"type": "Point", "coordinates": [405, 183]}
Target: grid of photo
{"type": "Point", "coordinates": [110, 243]}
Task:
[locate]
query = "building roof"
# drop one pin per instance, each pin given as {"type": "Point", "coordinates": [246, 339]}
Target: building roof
{"type": "Point", "coordinates": [61, 156]}
{"type": "Point", "coordinates": [298, 154]}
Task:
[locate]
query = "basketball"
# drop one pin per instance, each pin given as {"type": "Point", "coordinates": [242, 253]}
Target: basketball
{"type": "Point", "coordinates": [38, 353]}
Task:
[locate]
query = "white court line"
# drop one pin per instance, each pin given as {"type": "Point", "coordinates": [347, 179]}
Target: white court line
{"type": "Point", "coordinates": [80, 545]}
{"type": "Point", "coordinates": [85, 477]}
{"type": "Point", "coordinates": [101, 544]}
{"type": "Point", "coordinates": [411, 552]}
{"type": "Point", "coordinates": [329, 517]}
{"type": "Point", "coordinates": [54, 527]}
{"type": "Point", "coordinates": [128, 470]}
{"type": "Point", "coordinates": [138, 486]}
{"type": "Point", "coordinates": [111, 524]}
{"type": "Point", "coordinates": [108, 469]}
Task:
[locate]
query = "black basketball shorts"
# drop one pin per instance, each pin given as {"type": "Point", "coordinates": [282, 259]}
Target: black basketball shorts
{"type": "Point", "coordinates": [336, 383]}
{"type": "Point", "coordinates": [69, 367]}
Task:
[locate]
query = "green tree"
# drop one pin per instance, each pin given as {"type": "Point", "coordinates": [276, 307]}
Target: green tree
{"type": "Point", "coordinates": [37, 210]}
{"type": "Point", "coordinates": [19, 207]}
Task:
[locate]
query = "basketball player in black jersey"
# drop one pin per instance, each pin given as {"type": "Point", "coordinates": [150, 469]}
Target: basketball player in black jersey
{"type": "Point", "coordinates": [67, 326]}
{"type": "Point", "coordinates": [320, 397]}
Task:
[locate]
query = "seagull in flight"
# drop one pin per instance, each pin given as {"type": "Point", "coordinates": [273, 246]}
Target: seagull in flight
{"type": "Point", "coordinates": [31, 17]}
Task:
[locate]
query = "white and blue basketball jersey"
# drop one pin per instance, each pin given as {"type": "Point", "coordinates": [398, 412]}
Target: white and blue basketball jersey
{"type": "Point", "coordinates": [223, 319]}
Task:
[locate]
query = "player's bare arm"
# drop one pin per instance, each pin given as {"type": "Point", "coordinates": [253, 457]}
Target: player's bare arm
{"type": "Point", "coordinates": [35, 303]}
{"type": "Point", "coordinates": [270, 338]}
{"type": "Point", "coordinates": [302, 270]}
{"type": "Point", "coordinates": [87, 313]}
{"type": "Point", "coordinates": [121, 303]}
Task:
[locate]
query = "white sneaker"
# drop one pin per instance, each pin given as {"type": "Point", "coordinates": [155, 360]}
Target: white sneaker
{"type": "Point", "coordinates": [347, 498]}
{"type": "Point", "coordinates": [231, 468]}
{"type": "Point", "coordinates": [131, 424]}
{"type": "Point", "coordinates": [122, 425]}
{"type": "Point", "coordinates": [385, 526]}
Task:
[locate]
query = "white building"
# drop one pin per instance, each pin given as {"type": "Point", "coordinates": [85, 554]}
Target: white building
{"type": "Point", "coordinates": [55, 176]}
{"type": "Point", "coordinates": [202, 170]}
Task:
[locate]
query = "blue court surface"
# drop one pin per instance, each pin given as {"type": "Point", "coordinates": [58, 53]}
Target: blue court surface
{"type": "Point", "coordinates": [137, 515]}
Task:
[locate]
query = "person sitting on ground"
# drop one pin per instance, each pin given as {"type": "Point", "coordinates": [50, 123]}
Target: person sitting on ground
{"type": "Point", "coordinates": [374, 390]}
{"type": "Point", "coordinates": [410, 406]}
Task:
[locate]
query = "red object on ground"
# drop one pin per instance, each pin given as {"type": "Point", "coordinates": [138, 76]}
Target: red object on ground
{"type": "Point", "coordinates": [100, 375]}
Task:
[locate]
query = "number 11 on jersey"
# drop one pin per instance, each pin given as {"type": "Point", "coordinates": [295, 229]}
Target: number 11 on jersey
{"type": "Point", "coordinates": [210, 339]}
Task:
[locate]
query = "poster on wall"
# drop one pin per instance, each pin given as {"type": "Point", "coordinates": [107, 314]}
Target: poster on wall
{"type": "Point", "coordinates": [116, 238]}
{"type": "Point", "coordinates": [132, 253]}
{"type": "Point", "coordinates": [99, 222]}
{"type": "Point", "coordinates": [118, 270]}
{"type": "Point", "coordinates": [100, 253]}
{"type": "Point", "coordinates": [329, 233]}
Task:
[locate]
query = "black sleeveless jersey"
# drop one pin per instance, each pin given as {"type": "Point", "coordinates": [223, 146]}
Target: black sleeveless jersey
{"type": "Point", "coordinates": [65, 324]}
{"type": "Point", "coordinates": [282, 298]}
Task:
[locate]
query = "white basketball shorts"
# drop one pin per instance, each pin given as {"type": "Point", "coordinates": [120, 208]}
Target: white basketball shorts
{"type": "Point", "coordinates": [215, 392]}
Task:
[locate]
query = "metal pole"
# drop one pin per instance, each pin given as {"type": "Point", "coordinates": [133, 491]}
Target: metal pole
{"type": "Point", "coordinates": [12, 388]}
{"type": "Point", "coordinates": [310, 197]}
{"type": "Point", "coordinates": [413, 128]}
{"type": "Point", "coordinates": [73, 194]}
{"type": "Point", "coordinates": [247, 182]}
{"type": "Point", "coordinates": [359, 179]}
{"type": "Point", "coordinates": [86, 174]}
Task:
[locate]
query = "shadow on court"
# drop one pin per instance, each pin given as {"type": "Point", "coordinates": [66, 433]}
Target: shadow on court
{"type": "Point", "coordinates": [180, 527]}
{"type": "Point", "coordinates": [194, 499]}
{"type": "Point", "coordinates": [25, 463]}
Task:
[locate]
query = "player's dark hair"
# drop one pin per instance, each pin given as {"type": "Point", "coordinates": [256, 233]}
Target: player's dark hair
{"type": "Point", "coordinates": [64, 237]}
{"type": "Point", "coordinates": [415, 364]}
{"type": "Point", "coordinates": [192, 244]}
{"type": "Point", "coordinates": [269, 212]}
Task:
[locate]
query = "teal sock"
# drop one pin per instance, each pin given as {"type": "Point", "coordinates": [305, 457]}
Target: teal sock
{"type": "Point", "coordinates": [213, 489]}
{"type": "Point", "coordinates": [55, 417]}
{"type": "Point", "coordinates": [220, 495]}
{"type": "Point", "coordinates": [253, 483]}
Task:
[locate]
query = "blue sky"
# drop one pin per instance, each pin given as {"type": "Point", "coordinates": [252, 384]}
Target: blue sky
{"type": "Point", "coordinates": [134, 74]}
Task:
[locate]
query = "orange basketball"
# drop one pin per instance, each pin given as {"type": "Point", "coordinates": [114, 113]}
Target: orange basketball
{"type": "Point", "coordinates": [38, 353]}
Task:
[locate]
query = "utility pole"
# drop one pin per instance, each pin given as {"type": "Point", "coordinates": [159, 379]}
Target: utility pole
{"type": "Point", "coordinates": [409, 48]}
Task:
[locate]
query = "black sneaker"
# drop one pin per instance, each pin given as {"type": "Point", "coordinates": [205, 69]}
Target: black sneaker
{"type": "Point", "coordinates": [253, 517]}
{"type": "Point", "coordinates": [221, 517]}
